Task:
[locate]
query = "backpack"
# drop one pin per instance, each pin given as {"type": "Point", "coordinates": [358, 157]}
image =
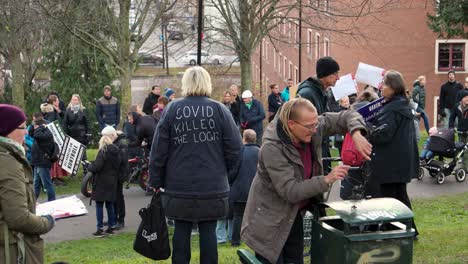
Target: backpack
{"type": "Point", "coordinates": [349, 155]}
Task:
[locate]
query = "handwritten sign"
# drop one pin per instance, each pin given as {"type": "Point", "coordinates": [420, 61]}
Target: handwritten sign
{"type": "Point", "coordinates": [370, 75]}
{"type": "Point", "coordinates": [195, 124]}
{"type": "Point", "coordinates": [371, 110]}
{"type": "Point", "coordinates": [62, 208]}
{"type": "Point", "coordinates": [71, 155]}
{"type": "Point", "coordinates": [345, 86]}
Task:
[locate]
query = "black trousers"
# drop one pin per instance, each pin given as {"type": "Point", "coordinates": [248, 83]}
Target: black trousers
{"type": "Point", "coordinates": [293, 249]}
{"type": "Point", "coordinates": [238, 212]}
{"type": "Point", "coordinates": [181, 242]}
{"type": "Point", "coordinates": [119, 205]}
{"type": "Point", "coordinates": [397, 191]}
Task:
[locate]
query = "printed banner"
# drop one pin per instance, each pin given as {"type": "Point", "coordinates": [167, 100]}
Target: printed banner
{"type": "Point", "coordinates": [370, 75]}
{"type": "Point", "coordinates": [71, 155]}
{"type": "Point", "coordinates": [57, 132]}
{"type": "Point", "coordinates": [62, 208]}
{"type": "Point", "coordinates": [370, 110]}
{"type": "Point", "coordinates": [345, 86]}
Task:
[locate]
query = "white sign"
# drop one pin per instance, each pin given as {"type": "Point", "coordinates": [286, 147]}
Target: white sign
{"type": "Point", "coordinates": [57, 132]}
{"type": "Point", "coordinates": [62, 208]}
{"type": "Point", "coordinates": [370, 75]}
{"type": "Point", "coordinates": [345, 86]}
{"type": "Point", "coordinates": [71, 155]}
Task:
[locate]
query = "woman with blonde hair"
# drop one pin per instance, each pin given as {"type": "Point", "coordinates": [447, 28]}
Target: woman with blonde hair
{"type": "Point", "coordinates": [75, 121]}
{"type": "Point", "coordinates": [196, 148]}
{"type": "Point", "coordinates": [106, 168]}
{"type": "Point", "coordinates": [419, 97]}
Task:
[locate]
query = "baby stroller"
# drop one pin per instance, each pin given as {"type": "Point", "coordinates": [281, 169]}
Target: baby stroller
{"type": "Point", "coordinates": [443, 145]}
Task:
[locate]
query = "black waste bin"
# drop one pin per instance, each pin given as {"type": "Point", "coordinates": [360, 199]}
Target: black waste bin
{"type": "Point", "coordinates": [365, 231]}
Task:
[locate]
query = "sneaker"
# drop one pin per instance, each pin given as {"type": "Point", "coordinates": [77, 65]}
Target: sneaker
{"type": "Point", "coordinates": [119, 226]}
{"type": "Point", "coordinates": [99, 233]}
{"type": "Point", "coordinates": [110, 231]}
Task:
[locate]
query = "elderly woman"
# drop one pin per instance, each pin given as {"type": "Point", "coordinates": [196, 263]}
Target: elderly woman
{"type": "Point", "coordinates": [196, 147]}
{"type": "Point", "coordinates": [396, 142]}
{"type": "Point", "coordinates": [290, 177]}
{"type": "Point", "coordinates": [18, 222]}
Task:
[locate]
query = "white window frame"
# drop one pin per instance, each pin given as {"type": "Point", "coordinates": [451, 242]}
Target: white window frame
{"type": "Point", "coordinates": [317, 45]}
{"type": "Point", "coordinates": [290, 69]}
{"type": "Point", "coordinates": [326, 47]}
{"type": "Point", "coordinates": [285, 65]}
{"type": "Point", "coordinates": [446, 41]}
{"type": "Point", "coordinates": [280, 61]}
{"type": "Point", "coordinates": [296, 74]}
{"type": "Point", "coordinates": [309, 42]}
{"type": "Point", "coordinates": [274, 59]}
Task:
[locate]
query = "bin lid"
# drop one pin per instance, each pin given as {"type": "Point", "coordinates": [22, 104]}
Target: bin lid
{"type": "Point", "coordinates": [371, 210]}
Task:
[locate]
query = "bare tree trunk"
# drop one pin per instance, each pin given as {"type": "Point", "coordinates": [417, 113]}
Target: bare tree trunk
{"type": "Point", "coordinates": [18, 80]}
{"type": "Point", "coordinates": [125, 81]}
{"type": "Point", "coordinates": [246, 72]}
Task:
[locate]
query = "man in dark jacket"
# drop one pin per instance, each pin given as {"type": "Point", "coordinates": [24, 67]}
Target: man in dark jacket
{"type": "Point", "coordinates": [145, 126]}
{"type": "Point", "coordinates": [241, 184]}
{"type": "Point", "coordinates": [252, 115]}
{"type": "Point", "coordinates": [447, 97]}
{"type": "Point", "coordinates": [41, 151]}
{"type": "Point", "coordinates": [108, 109]}
{"type": "Point", "coordinates": [237, 103]}
{"type": "Point", "coordinates": [152, 99]}
{"type": "Point", "coordinates": [274, 101]}
{"type": "Point", "coordinates": [315, 89]}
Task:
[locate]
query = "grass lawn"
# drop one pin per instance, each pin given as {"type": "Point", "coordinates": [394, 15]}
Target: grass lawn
{"type": "Point", "coordinates": [442, 222]}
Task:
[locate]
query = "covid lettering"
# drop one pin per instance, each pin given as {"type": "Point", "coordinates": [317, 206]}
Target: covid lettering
{"type": "Point", "coordinates": [195, 124]}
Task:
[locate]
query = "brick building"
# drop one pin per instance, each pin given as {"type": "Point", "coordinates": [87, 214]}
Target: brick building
{"type": "Point", "coordinates": [397, 39]}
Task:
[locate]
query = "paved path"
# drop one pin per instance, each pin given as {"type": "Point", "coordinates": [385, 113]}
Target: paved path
{"type": "Point", "coordinates": [84, 226]}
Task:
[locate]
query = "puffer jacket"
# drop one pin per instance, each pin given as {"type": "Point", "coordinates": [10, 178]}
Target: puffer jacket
{"type": "Point", "coordinates": [279, 185]}
{"type": "Point", "coordinates": [108, 111]}
{"type": "Point", "coordinates": [18, 207]}
{"type": "Point", "coordinates": [312, 90]}
{"type": "Point", "coordinates": [419, 96]}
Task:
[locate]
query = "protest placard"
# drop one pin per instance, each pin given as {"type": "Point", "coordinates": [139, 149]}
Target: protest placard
{"type": "Point", "coordinates": [57, 133]}
{"type": "Point", "coordinates": [370, 75]}
{"type": "Point", "coordinates": [71, 155]}
{"type": "Point", "coordinates": [62, 208]}
{"type": "Point", "coordinates": [370, 110]}
{"type": "Point", "coordinates": [345, 86]}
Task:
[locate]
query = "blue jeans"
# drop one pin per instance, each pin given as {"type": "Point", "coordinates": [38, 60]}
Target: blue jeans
{"type": "Point", "coordinates": [100, 214]}
{"type": "Point", "coordinates": [426, 120]}
{"type": "Point", "coordinates": [447, 117]}
{"type": "Point", "coordinates": [221, 234]}
{"type": "Point", "coordinates": [42, 174]}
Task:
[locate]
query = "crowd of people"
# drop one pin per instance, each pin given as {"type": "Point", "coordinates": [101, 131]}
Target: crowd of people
{"type": "Point", "coordinates": [215, 165]}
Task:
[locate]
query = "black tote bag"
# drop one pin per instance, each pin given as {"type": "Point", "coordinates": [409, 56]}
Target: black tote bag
{"type": "Point", "coordinates": [152, 238]}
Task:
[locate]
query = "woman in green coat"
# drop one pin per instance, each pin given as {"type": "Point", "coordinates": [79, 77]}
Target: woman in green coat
{"type": "Point", "coordinates": [20, 228]}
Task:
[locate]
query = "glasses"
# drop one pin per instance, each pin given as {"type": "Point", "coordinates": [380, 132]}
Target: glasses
{"type": "Point", "coordinates": [309, 127]}
{"type": "Point", "coordinates": [21, 127]}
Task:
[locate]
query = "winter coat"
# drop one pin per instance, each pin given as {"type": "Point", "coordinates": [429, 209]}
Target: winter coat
{"type": "Point", "coordinates": [274, 104]}
{"type": "Point", "coordinates": [145, 126]}
{"type": "Point", "coordinates": [461, 113]}
{"type": "Point", "coordinates": [195, 148]}
{"type": "Point", "coordinates": [254, 116]}
{"type": "Point", "coordinates": [106, 169]}
{"type": "Point", "coordinates": [28, 142]}
{"type": "Point", "coordinates": [247, 169]}
{"type": "Point", "coordinates": [462, 93]}
{"type": "Point", "coordinates": [279, 186]}
{"type": "Point", "coordinates": [285, 94]}
{"type": "Point", "coordinates": [236, 109]}
{"type": "Point", "coordinates": [312, 90]}
{"type": "Point", "coordinates": [150, 101]}
{"type": "Point", "coordinates": [108, 111]}
{"type": "Point", "coordinates": [50, 114]}
{"type": "Point", "coordinates": [419, 96]}
{"type": "Point", "coordinates": [42, 146]}
{"type": "Point", "coordinates": [18, 207]}
{"type": "Point", "coordinates": [448, 93]}
{"type": "Point", "coordinates": [76, 125]}
{"type": "Point", "coordinates": [130, 135]}
{"type": "Point", "coordinates": [394, 148]}
{"type": "Point", "coordinates": [122, 144]}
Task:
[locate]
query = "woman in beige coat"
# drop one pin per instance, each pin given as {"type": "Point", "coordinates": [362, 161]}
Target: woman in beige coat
{"type": "Point", "coordinates": [20, 227]}
{"type": "Point", "coordinates": [289, 178]}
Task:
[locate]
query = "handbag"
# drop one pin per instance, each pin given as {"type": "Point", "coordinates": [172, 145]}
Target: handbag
{"type": "Point", "coordinates": [152, 237]}
{"type": "Point", "coordinates": [349, 155]}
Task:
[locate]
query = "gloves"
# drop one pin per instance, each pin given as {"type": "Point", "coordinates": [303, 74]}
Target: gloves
{"type": "Point", "coordinates": [244, 124]}
{"type": "Point", "coordinates": [50, 218]}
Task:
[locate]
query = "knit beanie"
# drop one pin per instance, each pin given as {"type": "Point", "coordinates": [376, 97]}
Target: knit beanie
{"type": "Point", "coordinates": [108, 130]}
{"type": "Point", "coordinates": [169, 92]}
{"type": "Point", "coordinates": [11, 117]}
{"type": "Point", "coordinates": [326, 66]}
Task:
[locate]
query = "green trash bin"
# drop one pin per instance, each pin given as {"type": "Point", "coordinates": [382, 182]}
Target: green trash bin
{"type": "Point", "coordinates": [366, 231]}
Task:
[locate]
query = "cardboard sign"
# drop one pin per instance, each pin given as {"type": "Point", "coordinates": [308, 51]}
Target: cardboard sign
{"type": "Point", "coordinates": [71, 155]}
{"type": "Point", "coordinates": [345, 86]}
{"type": "Point", "coordinates": [370, 75]}
{"type": "Point", "coordinates": [371, 110]}
{"type": "Point", "coordinates": [62, 208]}
{"type": "Point", "coordinates": [57, 132]}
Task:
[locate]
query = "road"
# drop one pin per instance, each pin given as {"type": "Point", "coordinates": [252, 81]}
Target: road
{"type": "Point", "coordinates": [83, 226]}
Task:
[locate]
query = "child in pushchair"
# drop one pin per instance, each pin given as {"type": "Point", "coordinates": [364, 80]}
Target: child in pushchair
{"type": "Point", "coordinates": [442, 144]}
{"type": "Point", "coordinates": [426, 154]}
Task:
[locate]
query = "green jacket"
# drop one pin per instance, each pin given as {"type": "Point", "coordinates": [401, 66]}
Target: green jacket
{"type": "Point", "coordinates": [17, 207]}
{"type": "Point", "coordinates": [279, 185]}
{"type": "Point", "coordinates": [419, 96]}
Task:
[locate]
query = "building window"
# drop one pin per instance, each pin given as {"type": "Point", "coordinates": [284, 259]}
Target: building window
{"type": "Point", "coordinates": [327, 5]}
{"type": "Point", "coordinates": [296, 34]}
{"type": "Point", "coordinates": [279, 63]}
{"type": "Point", "coordinates": [296, 75]}
{"type": "Point", "coordinates": [289, 31]}
{"type": "Point", "coordinates": [274, 59]}
{"type": "Point", "coordinates": [285, 66]}
{"type": "Point", "coordinates": [317, 46]}
{"type": "Point", "coordinates": [309, 42]}
{"type": "Point", "coordinates": [326, 47]}
{"type": "Point", "coordinates": [451, 56]}
{"type": "Point", "coordinates": [290, 72]}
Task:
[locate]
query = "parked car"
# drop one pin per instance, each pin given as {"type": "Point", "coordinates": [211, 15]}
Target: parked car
{"type": "Point", "coordinates": [206, 58]}
{"type": "Point", "coordinates": [155, 59]}
{"type": "Point", "coordinates": [175, 35]}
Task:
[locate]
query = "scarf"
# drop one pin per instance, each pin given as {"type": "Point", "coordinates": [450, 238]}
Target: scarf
{"type": "Point", "coordinates": [14, 143]}
{"type": "Point", "coordinates": [75, 108]}
{"type": "Point", "coordinates": [249, 105]}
